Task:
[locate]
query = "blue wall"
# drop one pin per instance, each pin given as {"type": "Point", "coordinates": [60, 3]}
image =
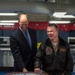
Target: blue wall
{"type": "Point", "coordinates": [41, 34]}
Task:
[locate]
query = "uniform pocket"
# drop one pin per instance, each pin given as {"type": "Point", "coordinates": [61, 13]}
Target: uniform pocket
{"type": "Point", "coordinates": [62, 57]}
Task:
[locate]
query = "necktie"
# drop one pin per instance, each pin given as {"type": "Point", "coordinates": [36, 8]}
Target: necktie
{"type": "Point", "coordinates": [27, 37]}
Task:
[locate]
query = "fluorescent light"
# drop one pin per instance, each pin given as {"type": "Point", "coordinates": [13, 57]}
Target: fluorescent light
{"type": "Point", "coordinates": [51, 1]}
{"type": "Point", "coordinates": [6, 23]}
{"type": "Point", "coordinates": [59, 13]}
{"type": "Point", "coordinates": [59, 22]}
{"type": "Point", "coordinates": [62, 15]}
{"type": "Point", "coordinates": [9, 21]}
{"type": "Point", "coordinates": [8, 14]}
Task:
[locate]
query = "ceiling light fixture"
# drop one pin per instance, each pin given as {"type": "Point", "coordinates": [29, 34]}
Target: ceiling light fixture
{"type": "Point", "coordinates": [8, 14]}
{"type": "Point", "coordinates": [59, 13]}
{"type": "Point", "coordinates": [9, 21]}
{"type": "Point", "coordinates": [62, 15]}
{"type": "Point", "coordinates": [59, 22]}
{"type": "Point", "coordinates": [6, 23]}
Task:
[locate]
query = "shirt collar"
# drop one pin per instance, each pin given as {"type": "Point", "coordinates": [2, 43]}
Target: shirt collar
{"type": "Point", "coordinates": [22, 30]}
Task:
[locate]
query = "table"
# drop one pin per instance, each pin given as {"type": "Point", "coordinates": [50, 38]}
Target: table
{"type": "Point", "coordinates": [22, 73]}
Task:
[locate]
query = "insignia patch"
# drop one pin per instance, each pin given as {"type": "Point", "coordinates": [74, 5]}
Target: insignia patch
{"type": "Point", "coordinates": [48, 50]}
{"type": "Point", "coordinates": [62, 49]}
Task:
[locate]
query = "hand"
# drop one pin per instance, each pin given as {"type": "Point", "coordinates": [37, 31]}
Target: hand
{"type": "Point", "coordinates": [25, 70]}
{"type": "Point", "coordinates": [37, 70]}
{"type": "Point", "coordinates": [62, 74]}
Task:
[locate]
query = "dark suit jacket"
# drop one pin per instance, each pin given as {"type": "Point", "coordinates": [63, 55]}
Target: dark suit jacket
{"type": "Point", "coordinates": [22, 53]}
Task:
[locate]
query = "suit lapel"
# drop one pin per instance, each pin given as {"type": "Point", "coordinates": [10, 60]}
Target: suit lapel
{"type": "Point", "coordinates": [22, 36]}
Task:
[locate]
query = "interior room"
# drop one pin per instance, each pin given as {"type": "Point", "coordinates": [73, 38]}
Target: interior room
{"type": "Point", "coordinates": [40, 13]}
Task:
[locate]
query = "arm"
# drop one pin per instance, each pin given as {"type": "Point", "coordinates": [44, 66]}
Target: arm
{"type": "Point", "coordinates": [16, 53]}
{"type": "Point", "coordinates": [69, 64]}
{"type": "Point", "coordinates": [38, 59]}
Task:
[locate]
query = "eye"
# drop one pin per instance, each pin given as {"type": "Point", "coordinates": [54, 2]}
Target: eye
{"type": "Point", "coordinates": [24, 24]}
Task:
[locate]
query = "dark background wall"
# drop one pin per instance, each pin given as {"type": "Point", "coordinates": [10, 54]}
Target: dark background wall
{"type": "Point", "coordinates": [41, 34]}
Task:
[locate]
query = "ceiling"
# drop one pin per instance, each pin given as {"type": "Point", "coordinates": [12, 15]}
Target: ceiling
{"type": "Point", "coordinates": [37, 10]}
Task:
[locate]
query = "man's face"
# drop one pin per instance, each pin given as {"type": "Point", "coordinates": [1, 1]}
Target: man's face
{"type": "Point", "coordinates": [23, 22]}
{"type": "Point", "coordinates": [52, 32]}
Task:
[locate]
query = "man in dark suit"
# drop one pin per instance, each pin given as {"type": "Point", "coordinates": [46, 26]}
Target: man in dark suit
{"type": "Point", "coordinates": [23, 47]}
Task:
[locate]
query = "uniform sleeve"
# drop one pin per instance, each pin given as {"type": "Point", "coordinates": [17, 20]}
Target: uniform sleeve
{"type": "Point", "coordinates": [69, 64]}
{"type": "Point", "coordinates": [38, 58]}
{"type": "Point", "coordinates": [15, 50]}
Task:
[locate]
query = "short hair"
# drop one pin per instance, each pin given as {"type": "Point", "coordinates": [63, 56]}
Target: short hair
{"type": "Point", "coordinates": [55, 25]}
